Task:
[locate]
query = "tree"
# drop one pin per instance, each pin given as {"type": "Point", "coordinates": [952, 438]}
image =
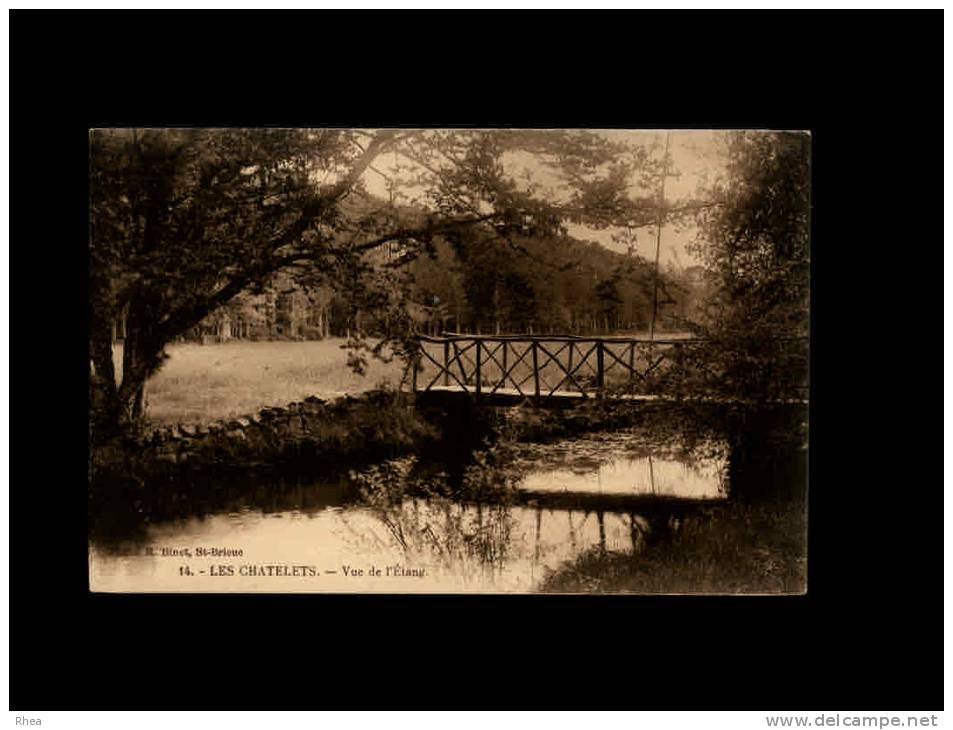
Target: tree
{"type": "Point", "coordinates": [756, 243]}
{"type": "Point", "coordinates": [609, 299]}
{"type": "Point", "coordinates": [184, 220]}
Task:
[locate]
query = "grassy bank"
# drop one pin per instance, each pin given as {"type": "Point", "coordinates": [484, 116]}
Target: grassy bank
{"type": "Point", "coordinates": [178, 472]}
{"type": "Point", "coordinates": [736, 548]}
{"type": "Point", "coordinates": [755, 542]}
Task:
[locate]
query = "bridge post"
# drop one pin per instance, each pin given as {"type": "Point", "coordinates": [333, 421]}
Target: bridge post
{"type": "Point", "coordinates": [569, 367]}
{"type": "Point", "coordinates": [631, 365]}
{"type": "Point", "coordinates": [535, 369]}
{"type": "Point", "coordinates": [446, 363]}
{"type": "Point", "coordinates": [479, 379]}
{"type": "Point", "coordinates": [503, 374]}
{"type": "Point", "coordinates": [600, 369]}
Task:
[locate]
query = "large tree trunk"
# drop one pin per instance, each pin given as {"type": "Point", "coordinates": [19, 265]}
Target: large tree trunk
{"type": "Point", "coordinates": [104, 402]}
{"type": "Point", "coordinates": [114, 409]}
{"type": "Point", "coordinates": [140, 358]}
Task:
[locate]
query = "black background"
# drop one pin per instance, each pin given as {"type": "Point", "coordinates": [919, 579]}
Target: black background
{"type": "Point", "coordinates": [867, 84]}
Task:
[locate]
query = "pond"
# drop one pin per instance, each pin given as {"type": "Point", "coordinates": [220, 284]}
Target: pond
{"type": "Point", "coordinates": [604, 491]}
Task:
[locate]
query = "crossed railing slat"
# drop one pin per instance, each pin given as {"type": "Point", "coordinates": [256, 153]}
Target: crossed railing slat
{"type": "Point", "coordinates": [490, 367]}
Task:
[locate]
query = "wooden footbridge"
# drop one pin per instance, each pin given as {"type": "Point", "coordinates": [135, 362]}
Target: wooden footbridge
{"type": "Point", "coordinates": [550, 370]}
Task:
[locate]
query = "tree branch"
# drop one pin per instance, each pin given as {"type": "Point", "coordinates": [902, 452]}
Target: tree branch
{"type": "Point", "coordinates": [426, 230]}
{"type": "Point", "coordinates": [191, 315]}
{"type": "Point", "coordinates": [196, 311]}
{"type": "Point", "coordinates": [376, 146]}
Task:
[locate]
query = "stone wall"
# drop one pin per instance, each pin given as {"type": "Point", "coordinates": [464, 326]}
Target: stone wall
{"type": "Point", "coordinates": [376, 424]}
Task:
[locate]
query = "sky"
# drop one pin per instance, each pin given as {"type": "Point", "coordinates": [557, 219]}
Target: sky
{"type": "Point", "coordinates": [695, 158]}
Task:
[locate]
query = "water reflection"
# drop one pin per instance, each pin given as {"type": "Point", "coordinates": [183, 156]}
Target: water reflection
{"type": "Point", "coordinates": [703, 479]}
{"type": "Point", "coordinates": [429, 546]}
{"type": "Point", "coordinates": [331, 537]}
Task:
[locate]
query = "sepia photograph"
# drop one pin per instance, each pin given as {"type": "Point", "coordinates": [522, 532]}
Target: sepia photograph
{"type": "Point", "coordinates": [449, 360]}
{"type": "Point", "coordinates": [445, 368]}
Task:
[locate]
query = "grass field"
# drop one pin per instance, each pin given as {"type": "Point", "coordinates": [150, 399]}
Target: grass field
{"type": "Point", "coordinates": [201, 383]}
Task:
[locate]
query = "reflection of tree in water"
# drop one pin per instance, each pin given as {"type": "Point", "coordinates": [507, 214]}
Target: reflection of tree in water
{"type": "Point", "coordinates": [427, 522]}
{"type": "Point", "coordinates": [463, 522]}
{"type": "Point", "coordinates": [587, 453]}
{"type": "Point", "coordinates": [122, 516]}
{"type": "Point", "coordinates": [469, 540]}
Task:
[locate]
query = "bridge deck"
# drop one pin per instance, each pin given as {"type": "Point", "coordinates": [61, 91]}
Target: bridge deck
{"type": "Point", "coordinates": [563, 399]}
{"type": "Point", "coordinates": [512, 396]}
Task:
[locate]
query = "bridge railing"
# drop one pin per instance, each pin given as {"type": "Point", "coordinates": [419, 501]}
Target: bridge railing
{"type": "Point", "coordinates": [548, 365]}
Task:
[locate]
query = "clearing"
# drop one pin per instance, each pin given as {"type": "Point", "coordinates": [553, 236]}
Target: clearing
{"type": "Point", "coordinates": [202, 383]}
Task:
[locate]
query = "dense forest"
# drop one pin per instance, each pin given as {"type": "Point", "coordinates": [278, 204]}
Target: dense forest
{"type": "Point", "coordinates": [547, 284]}
{"type": "Point", "coordinates": [477, 282]}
